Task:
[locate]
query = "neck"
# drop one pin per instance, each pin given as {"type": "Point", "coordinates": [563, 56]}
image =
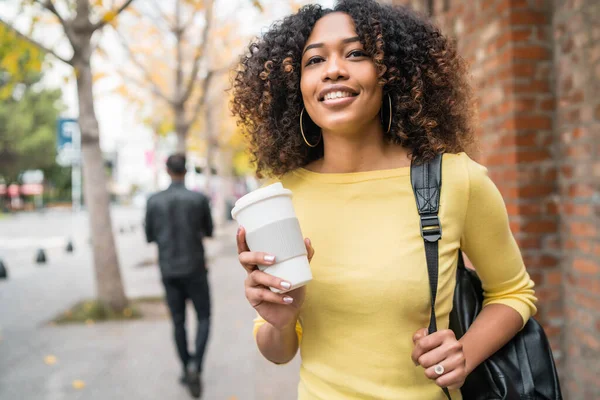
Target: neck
{"type": "Point", "coordinates": [363, 149]}
{"type": "Point", "coordinates": [177, 180]}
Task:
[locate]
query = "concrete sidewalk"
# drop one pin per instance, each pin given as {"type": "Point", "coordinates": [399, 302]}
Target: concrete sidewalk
{"type": "Point", "coordinates": [135, 359]}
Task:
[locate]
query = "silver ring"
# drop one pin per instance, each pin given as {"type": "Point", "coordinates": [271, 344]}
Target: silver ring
{"type": "Point", "coordinates": [438, 369]}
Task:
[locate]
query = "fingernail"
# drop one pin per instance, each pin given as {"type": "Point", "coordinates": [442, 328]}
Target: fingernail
{"type": "Point", "coordinates": [288, 299]}
{"type": "Point", "coordinates": [416, 363]}
{"type": "Point", "coordinates": [308, 240]}
{"type": "Point", "coordinates": [269, 258]}
{"type": "Point", "coordinates": [286, 285]}
{"type": "Point", "coordinates": [239, 230]}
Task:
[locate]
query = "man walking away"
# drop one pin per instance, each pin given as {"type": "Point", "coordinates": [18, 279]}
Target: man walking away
{"type": "Point", "coordinates": [178, 219]}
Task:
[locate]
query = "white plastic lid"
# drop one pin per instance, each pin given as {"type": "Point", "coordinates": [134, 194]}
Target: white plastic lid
{"type": "Point", "coordinates": [276, 189]}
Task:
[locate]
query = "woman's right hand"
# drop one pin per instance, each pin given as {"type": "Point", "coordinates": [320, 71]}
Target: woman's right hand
{"type": "Point", "coordinates": [279, 309]}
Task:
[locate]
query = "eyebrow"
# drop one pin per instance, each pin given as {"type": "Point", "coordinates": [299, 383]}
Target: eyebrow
{"type": "Point", "coordinates": [318, 45]}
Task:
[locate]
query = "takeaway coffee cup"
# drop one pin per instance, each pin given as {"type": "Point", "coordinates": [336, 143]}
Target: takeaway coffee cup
{"type": "Point", "coordinates": [268, 216]}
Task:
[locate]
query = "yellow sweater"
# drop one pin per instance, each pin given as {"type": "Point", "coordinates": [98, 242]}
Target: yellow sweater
{"type": "Point", "coordinates": [370, 291]}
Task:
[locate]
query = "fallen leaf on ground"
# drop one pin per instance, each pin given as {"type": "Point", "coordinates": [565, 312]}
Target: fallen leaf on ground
{"type": "Point", "coordinates": [50, 360]}
{"type": "Point", "coordinates": [77, 384]}
{"type": "Point", "coordinates": [89, 322]}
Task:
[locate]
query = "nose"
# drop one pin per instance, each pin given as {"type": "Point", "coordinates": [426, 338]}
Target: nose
{"type": "Point", "coordinates": [334, 69]}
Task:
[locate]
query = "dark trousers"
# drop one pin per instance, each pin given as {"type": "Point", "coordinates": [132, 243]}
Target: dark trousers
{"type": "Point", "coordinates": [179, 290]}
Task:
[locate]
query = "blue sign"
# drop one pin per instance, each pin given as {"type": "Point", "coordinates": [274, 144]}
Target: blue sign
{"type": "Point", "coordinates": [67, 129]}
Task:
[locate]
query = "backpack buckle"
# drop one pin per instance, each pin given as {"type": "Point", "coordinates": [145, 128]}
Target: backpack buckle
{"type": "Point", "coordinates": [431, 230]}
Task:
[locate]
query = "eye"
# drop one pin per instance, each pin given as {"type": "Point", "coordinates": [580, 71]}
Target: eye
{"type": "Point", "coordinates": [357, 53]}
{"type": "Point", "coordinates": [314, 60]}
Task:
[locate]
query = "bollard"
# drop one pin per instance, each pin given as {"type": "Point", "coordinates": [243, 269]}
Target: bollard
{"type": "Point", "coordinates": [40, 257]}
{"type": "Point", "coordinates": [70, 247]}
{"type": "Point", "coordinates": [3, 270]}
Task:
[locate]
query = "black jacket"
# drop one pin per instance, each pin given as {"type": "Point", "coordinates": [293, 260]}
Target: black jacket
{"type": "Point", "coordinates": [177, 219]}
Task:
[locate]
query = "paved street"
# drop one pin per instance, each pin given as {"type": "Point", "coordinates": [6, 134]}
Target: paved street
{"type": "Point", "coordinates": [118, 360]}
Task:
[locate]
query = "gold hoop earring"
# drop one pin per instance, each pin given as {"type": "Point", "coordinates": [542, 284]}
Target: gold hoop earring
{"type": "Point", "coordinates": [389, 125]}
{"type": "Point", "coordinates": [302, 132]}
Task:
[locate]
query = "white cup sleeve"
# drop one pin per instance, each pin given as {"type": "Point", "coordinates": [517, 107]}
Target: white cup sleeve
{"type": "Point", "coordinates": [282, 238]}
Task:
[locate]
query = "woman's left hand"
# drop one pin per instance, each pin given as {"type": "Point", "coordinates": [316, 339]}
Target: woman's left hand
{"type": "Point", "coordinates": [441, 355]}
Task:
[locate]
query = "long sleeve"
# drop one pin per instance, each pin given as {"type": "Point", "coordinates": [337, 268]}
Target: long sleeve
{"type": "Point", "coordinates": [488, 242]}
{"type": "Point", "coordinates": [207, 222]}
{"type": "Point", "coordinates": [148, 224]}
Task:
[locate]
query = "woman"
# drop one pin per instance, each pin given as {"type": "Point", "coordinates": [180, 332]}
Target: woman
{"type": "Point", "coordinates": [315, 95]}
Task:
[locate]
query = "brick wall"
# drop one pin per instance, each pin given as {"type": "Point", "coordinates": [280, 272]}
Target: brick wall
{"type": "Point", "coordinates": [577, 66]}
{"type": "Point", "coordinates": [536, 73]}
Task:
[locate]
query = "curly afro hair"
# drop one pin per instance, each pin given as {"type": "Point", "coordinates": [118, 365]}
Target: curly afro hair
{"type": "Point", "coordinates": [418, 67]}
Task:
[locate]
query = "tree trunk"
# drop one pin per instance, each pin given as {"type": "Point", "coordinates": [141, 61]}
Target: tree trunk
{"type": "Point", "coordinates": [181, 128]}
{"type": "Point", "coordinates": [108, 276]}
{"type": "Point", "coordinates": [224, 163]}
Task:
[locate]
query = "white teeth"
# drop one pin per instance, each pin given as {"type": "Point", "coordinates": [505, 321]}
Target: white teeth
{"type": "Point", "coordinates": [336, 95]}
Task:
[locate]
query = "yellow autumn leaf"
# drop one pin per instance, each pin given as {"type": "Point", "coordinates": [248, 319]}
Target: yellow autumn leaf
{"type": "Point", "coordinates": [50, 360]}
{"type": "Point", "coordinates": [89, 321]}
{"type": "Point", "coordinates": [78, 384]}
{"type": "Point", "coordinates": [98, 76]}
{"type": "Point", "coordinates": [109, 16]}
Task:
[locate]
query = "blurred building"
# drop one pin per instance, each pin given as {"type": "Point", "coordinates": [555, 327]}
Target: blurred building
{"type": "Point", "coordinates": [536, 70]}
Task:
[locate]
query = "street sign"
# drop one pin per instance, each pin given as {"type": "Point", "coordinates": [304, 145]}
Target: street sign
{"type": "Point", "coordinates": [67, 129]}
{"type": "Point", "coordinates": [67, 149]}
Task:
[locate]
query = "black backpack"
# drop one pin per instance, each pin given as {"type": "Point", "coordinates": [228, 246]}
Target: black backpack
{"type": "Point", "coordinates": [521, 370]}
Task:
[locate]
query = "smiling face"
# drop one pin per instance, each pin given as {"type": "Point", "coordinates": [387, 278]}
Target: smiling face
{"type": "Point", "coordinates": [339, 80]}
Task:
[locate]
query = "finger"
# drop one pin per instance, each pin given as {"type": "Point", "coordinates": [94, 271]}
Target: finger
{"type": "Point", "coordinates": [426, 344]}
{"type": "Point", "coordinates": [258, 295]}
{"type": "Point", "coordinates": [450, 364]}
{"type": "Point", "coordinates": [240, 238]}
{"type": "Point", "coordinates": [250, 259]}
{"type": "Point", "coordinates": [421, 333]}
{"type": "Point", "coordinates": [452, 380]}
{"type": "Point", "coordinates": [259, 278]}
{"type": "Point", "coordinates": [435, 356]}
{"type": "Point", "coordinates": [309, 249]}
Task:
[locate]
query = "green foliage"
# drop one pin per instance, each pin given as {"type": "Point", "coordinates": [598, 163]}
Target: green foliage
{"type": "Point", "coordinates": [28, 130]}
{"type": "Point", "coordinates": [19, 61]}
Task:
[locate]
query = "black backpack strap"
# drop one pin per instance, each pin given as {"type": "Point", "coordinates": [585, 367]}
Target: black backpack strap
{"type": "Point", "coordinates": [426, 180]}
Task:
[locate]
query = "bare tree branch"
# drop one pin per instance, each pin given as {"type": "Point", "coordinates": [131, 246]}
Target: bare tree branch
{"type": "Point", "coordinates": [200, 51]}
{"type": "Point", "coordinates": [36, 43]}
{"type": "Point", "coordinates": [112, 14]}
{"type": "Point", "coordinates": [142, 85]}
{"type": "Point", "coordinates": [49, 5]}
{"type": "Point", "coordinates": [164, 16]}
{"type": "Point", "coordinates": [155, 89]}
{"type": "Point", "coordinates": [202, 100]}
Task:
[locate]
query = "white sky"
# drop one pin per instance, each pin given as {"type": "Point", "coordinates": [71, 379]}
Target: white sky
{"type": "Point", "coordinates": [118, 128]}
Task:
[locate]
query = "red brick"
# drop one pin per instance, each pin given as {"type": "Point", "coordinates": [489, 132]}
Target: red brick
{"type": "Point", "coordinates": [580, 190]}
{"type": "Point", "coordinates": [539, 227]}
{"type": "Point", "coordinates": [590, 341]}
{"type": "Point", "coordinates": [547, 105]}
{"type": "Point", "coordinates": [582, 229]}
{"type": "Point", "coordinates": [532, 156]}
{"type": "Point", "coordinates": [527, 17]}
{"type": "Point", "coordinates": [522, 69]}
{"type": "Point", "coordinates": [566, 171]}
{"type": "Point", "coordinates": [586, 301]}
{"type": "Point", "coordinates": [533, 87]}
{"type": "Point", "coordinates": [586, 266]}
{"type": "Point", "coordinates": [553, 278]}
